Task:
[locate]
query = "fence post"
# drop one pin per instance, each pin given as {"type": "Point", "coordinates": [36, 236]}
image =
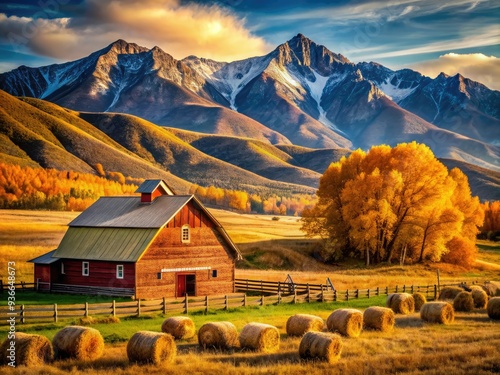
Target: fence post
{"type": "Point", "coordinates": [164, 306]}
{"type": "Point", "coordinates": [1, 285]}
{"type": "Point", "coordinates": [279, 287]}
{"type": "Point", "coordinates": [404, 288]}
{"type": "Point", "coordinates": [412, 289]}
{"type": "Point", "coordinates": [357, 294]}
{"type": "Point", "coordinates": [294, 296]}
{"type": "Point", "coordinates": [386, 290]}
{"type": "Point", "coordinates": [308, 293]}
{"type": "Point", "coordinates": [186, 305]}
{"type": "Point", "coordinates": [368, 293]}
{"type": "Point", "coordinates": [335, 295]}
{"type": "Point", "coordinates": [86, 313]}
{"type": "Point", "coordinates": [113, 308]}
{"type": "Point", "coordinates": [377, 291]}
{"type": "Point", "coordinates": [322, 294]}
{"type": "Point", "coordinates": [22, 313]}
{"type": "Point", "coordinates": [262, 302]}
{"type": "Point", "coordinates": [55, 312]}
{"type": "Point", "coordinates": [279, 298]}
{"type": "Point", "coordinates": [435, 292]}
{"type": "Point", "coordinates": [206, 305]}
{"type": "Point", "coordinates": [245, 300]}
{"type": "Point", "coordinates": [138, 307]}
{"type": "Point", "coordinates": [396, 288]}
{"type": "Point", "coordinates": [22, 285]}
{"type": "Point", "coordinates": [226, 303]}
{"type": "Point", "coordinates": [347, 295]}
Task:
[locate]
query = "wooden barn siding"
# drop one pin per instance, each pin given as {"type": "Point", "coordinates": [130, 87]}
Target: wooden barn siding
{"type": "Point", "coordinates": [101, 274]}
{"type": "Point", "coordinates": [42, 272]}
{"type": "Point", "coordinates": [167, 251]}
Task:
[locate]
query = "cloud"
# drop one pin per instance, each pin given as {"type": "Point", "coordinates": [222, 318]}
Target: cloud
{"type": "Point", "coordinates": [181, 30]}
{"type": "Point", "coordinates": [476, 66]}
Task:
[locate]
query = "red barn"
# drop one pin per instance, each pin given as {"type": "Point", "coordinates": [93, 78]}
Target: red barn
{"type": "Point", "coordinates": [152, 246]}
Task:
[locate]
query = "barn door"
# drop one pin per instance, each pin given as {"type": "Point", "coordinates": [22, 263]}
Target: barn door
{"type": "Point", "coordinates": [186, 284]}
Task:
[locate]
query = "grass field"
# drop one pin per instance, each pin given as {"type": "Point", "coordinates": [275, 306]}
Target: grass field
{"type": "Point", "coordinates": [468, 346]}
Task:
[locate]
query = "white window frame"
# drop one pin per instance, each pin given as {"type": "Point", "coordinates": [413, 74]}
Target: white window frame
{"type": "Point", "coordinates": [118, 268]}
{"type": "Point", "coordinates": [85, 267]}
{"type": "Point", "coordinates": [186, 229]}
{"type": "Point", "coordinates": [63, 271]}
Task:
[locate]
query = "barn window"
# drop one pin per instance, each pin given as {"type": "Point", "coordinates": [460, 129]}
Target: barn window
{"type": "Point", "coordinates": [214, 273]}
{"type": "Point", "coordinates": [186, 236]}
{"type": "Point", "coordinates": [119, 271]}
{"type": "Point", "coordinates": [62, 269]}
{"type": "Point", "coordinates": [85, 268]}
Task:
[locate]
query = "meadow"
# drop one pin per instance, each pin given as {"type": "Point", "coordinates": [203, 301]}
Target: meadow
{"type": "Point", "coordinates": [467, 346]}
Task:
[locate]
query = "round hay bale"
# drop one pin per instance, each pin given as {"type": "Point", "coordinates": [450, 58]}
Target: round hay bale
{"type": "Point", "coordinates": [492, 288]}
{"type": "Point", "coordinates": [401, 303]}
{"type": "Point", "coordinates": [83, 343]}
{"type": "Point", "coordinates": [378, 318]}
{"type": "Point", "coordinates": [437, 312]}
{"type": "Point", "coordinates": [260, 337]}
{"type": "Point", "coordinates": [146, 347]}
{"type": "Point", "coordinates": [419, 299]}
{"type": "Point", "coordinates": [480, 298]}
{"type": "Point", "coordinates": [299, 324]}
{"type": "Point", "coordinates": [320, 345]}
{"type": "Point", "coordinates": [181, 327]}
{"type": "Point", "coordinates": [449, 292]}
{"type": "Point", "coordinates": [221, 335]}
{"type": "Point", "coordinates": [493, 308]}
{"type": "Point", "coordinates": [347, 322]}
{"type": "Point", "coordinates": [463, 302]}
{"type": "Point", "coordinates": [28, 350]}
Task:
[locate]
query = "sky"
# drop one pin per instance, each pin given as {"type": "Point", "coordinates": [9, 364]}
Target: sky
{"type": "Point", "coordinates": [430, 36]}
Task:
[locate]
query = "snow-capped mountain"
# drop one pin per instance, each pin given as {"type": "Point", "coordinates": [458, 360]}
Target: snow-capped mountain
{"type": "Point", "coordinates": [300, 93]}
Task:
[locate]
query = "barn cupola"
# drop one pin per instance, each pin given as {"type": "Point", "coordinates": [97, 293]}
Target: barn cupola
{"type": "Point", "coordinates": [152, 189]}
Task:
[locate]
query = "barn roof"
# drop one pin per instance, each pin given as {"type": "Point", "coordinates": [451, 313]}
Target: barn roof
{"type": "Point", "coordinates": [111, 244]}
{"type": "Point", "coordinates": [122, 228]}
{"type": "Point", "coordinates": [45, 258]}
{"type": "Point", "coordinates": [129, 212]}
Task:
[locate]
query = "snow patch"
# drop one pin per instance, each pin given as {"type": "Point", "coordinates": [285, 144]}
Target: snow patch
{"type": "Point", "coordinates": [393, 92]}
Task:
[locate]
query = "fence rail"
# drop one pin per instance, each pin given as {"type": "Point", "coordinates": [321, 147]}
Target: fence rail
{"type": "Point", "coordinates": [18, 286]}
{"type": "Point", "coordinates": [271, 293]}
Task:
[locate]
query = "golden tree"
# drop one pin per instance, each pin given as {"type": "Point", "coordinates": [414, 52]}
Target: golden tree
{"type": "Point", "coordinates": [379, 204]}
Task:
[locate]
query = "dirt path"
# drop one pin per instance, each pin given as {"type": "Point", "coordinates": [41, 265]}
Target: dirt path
{"type": "Point", "coordinates": [482, 263]}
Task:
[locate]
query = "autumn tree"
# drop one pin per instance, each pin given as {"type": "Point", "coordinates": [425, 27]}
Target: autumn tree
{"type": "Point", "coordinates": [392, 201]}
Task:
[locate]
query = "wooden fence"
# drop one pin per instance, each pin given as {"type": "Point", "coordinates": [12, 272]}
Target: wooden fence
{"type": "Point", "coordinates": [19, 286]}
{"type": "Point", "coordinates": [302, 293]}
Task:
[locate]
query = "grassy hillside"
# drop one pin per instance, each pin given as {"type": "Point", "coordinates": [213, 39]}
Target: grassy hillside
{"type": "Point", "coordinates": [162, 146]}
{"type": "Point", "coordinates": [38, 133]}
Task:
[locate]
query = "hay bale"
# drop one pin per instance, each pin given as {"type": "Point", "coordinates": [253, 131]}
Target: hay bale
{"type": "Point", "coordinates": [437, 312]}
{"type": "Point", "coordinates": [449, 292]}
{"type": "Point", "coordinates": [480, 298]}
{"type": "Point", "coordinates": [83, 343]}
{"type": "Point", "coordinates": [181, 327]}
{"type": "Point", "coordinates": [320, 345]}
{"type": "Point", "coordinates": [146, 347]}
{"type": "Point", "coordinates": [401, 303]}
{"type": "Point", "coordinates": [419, 299]}
{"type": "Point", "coordinates": [28, 350]}
{"type": "Point", "coordinates": [378, 318]}
{"type": "Point", "coordinates": [463, 302]}
{"type": "Point", "coordinates": [299, 324]}
{"type": "Point", "coordinates": [260, 337]}
{"type": "Point", "coordinates": [492, 288]}
{"type": "Point", "coordinates": [220, 335]}
{"type": "Point", "coordinates": [347, 322]}
{"type": "Point", "coordinates": [493, 308]}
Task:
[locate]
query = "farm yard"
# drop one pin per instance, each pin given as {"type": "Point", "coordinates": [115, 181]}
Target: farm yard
{"type": "Point", "coordinates": [469, 345]}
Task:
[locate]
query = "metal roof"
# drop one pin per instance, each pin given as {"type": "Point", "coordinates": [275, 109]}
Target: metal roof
{"type": "Point", "coordinates": [129, 212]}
{"type": "Point", "coordinates": [45, 258]}
{"type": "Point", "coordinates": [112, 244]}
{"type": "Point", "coordinates": [149, 186]}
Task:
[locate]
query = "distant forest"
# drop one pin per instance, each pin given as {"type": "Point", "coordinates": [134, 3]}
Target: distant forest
{"type": "Point", "coordinates": [50, 189]}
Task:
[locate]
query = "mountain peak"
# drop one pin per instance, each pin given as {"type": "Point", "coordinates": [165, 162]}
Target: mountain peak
{"type": "Point", "coordinates": [123, 47]}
